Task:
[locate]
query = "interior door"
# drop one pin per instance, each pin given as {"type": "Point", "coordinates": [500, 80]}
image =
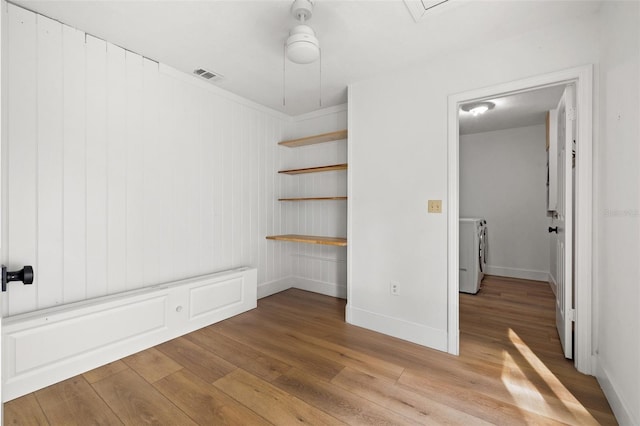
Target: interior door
{"type": "Point", "coordinates": [563, 222]}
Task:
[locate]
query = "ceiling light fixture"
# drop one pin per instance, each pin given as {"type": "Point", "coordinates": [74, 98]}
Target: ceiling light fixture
{"type": "Point", "coordinates": [302, 45]}
{"type": "Point", "coordinates": [478, 108]}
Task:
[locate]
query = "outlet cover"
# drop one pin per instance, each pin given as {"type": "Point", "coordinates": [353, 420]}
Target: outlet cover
{"type": "Point", "coordinates": [435, 206]}
{"type": "Point", "coordinates": [394, 288]}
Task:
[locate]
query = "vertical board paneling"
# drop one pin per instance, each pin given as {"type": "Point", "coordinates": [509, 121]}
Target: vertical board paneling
{"type": "Point", "coordinates": [120, 175]}
{"type": "Point", "coordinates": [261, 199]}
{"type": "Point", "coordinates": [218, 185]}
{"type": "Point", "coordinates": [116, 170]}
{"type": "Point", "coordinates": [96, 163]}
{"type": "Point", "coordinates": [50, 161]}
{"type": "Point", "coordinates": [74, 174]}
{"type": "Point", "coordinates": [163, 183]}
{"type": "Point", "coordinates": [23, 154]}
{"type": "Point", "coordinates": [254, 184]}
{"type": "Point", "coordinates": [226, 253]}
{"type": "Point", "coordinates": [179, 153]}
{"type": "Point", "coordinates": [236, 185]}
{"type": "Point", "coordinates": [193, 179]}
{"type": "Point", "coordinates": [186, 167]}
{"type": "Point", "coordinates": [151, 171]}
{"type": "Point", "coordinates": [269, 179]}
{"type": "Point", "coordinates": [135, 172]}
{"type": "Point", "coordinates": [207, 162]}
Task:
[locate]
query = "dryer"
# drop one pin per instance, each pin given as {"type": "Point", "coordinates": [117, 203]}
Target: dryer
{"type": "Point", "coordinates": [473, 251]}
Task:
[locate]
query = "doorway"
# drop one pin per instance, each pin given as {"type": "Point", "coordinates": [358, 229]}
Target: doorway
{"type": "Point", "coordinates": [508, 163]}
{"type": "Point", "coordinates": [582, 79]}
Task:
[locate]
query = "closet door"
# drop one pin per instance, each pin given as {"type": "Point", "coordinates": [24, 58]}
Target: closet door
{"type": "Point", "coordinates": [563, 222]}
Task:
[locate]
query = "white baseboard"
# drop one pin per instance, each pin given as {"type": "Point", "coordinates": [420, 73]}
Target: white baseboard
{"type": "Point", "coordinates": [329, 289]}
{"type": "Point", "coordinates": [553, 284]}
{"type": "Point", "coordinates": [47, 346]}
{"type": "Point", "coordinates": [273, 287]}
{"type": "Point", "coordinates": [396, 327]}
{"type": "Point", "coordinates": [524, 274]}
{"type": "Point", "coordinates": [618, 405]}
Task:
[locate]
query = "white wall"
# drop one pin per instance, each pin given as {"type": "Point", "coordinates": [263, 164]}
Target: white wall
{"type": "Point", "coordinates": [618, 211]}
{"type": "Point", "coordinates": [503, 179]}
{"type": "Point", "coordinates": [122, 173]}
{"type": "Point", "coordinates": [398, 158]}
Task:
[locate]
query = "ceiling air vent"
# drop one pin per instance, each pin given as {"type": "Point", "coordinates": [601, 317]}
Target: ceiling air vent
{"type": "Point", "coordinates": [419, 9]}
{"type": "Point", "coordinates": [208, 75]}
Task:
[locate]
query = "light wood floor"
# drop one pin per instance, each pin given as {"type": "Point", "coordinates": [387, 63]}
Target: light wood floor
{"type": "Point", "coordinates": [294, 360]}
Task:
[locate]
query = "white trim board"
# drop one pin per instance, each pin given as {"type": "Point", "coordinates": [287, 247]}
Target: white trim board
{"type": "Point", "coordinates": [582, 77]}
{"type": "Point", "coordinates": [322, 287]}
{"type": "Point", "coordinates": [553, 284]}
{"type": "Point", "coordinates": [399, 328]}
{"type": "Point", "coordinates": [619, 407]}
{"type": "Point", "coordinates": [273, 287]}
{"type": "Point", "coordinates": [523, 274]}
{"type": "Point", "coordinates": [319, 113]}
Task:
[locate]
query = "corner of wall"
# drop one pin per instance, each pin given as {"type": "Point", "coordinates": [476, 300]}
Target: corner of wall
{"type": "Point", "coordinates": [273, 287]}
{"type": "Point", "coordinates": [322, 287]}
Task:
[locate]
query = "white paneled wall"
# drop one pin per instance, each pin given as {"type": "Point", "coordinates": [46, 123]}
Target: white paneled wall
{"type": "Point", "coordinates": [122, 173]}
{"type": "Point", "coordinates": [315, 267]}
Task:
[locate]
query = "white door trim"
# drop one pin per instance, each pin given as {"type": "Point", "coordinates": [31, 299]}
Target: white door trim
{"type": "Point", "coordinates": [582, 77]}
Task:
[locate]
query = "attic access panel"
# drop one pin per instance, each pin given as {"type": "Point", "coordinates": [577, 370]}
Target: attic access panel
{"type": "Point", "coordinates": [419, 9]}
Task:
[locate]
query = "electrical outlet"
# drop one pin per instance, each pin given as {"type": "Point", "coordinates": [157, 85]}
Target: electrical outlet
{"type": "Point", "coordinates": [394, 288]}
{"type": "Point", "coordinates": [435, 206]}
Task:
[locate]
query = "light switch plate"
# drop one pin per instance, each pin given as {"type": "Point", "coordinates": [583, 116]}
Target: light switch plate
{"type": "Point", "coordinates": [435, 206]}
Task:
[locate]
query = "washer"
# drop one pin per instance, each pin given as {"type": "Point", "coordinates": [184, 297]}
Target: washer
{"type": "Point", "coordinates": [473, 252]}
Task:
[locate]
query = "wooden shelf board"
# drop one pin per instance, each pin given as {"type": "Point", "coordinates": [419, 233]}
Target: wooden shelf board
{"type": "Point", "coordinates": [311, 140]}
{"type": "Point", "coordinates": [315, 169]}
{"type": "Point", "coordinates": [312, 198]}
{"type": "Point", "coordinates": [310, 239]}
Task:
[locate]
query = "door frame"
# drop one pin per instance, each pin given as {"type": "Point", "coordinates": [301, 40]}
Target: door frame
{"type": "Point", "coordinates": [582, 77]}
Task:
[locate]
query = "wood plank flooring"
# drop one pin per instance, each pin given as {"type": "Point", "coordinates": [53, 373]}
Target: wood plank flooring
{"type": "Point", "coordinates": [294, 360]}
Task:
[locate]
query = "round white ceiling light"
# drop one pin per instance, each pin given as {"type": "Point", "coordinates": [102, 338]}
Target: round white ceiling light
{"type": "Point", "coordinates": [302, 45]}
{"type": "Point", "coordinates": [477, 108]}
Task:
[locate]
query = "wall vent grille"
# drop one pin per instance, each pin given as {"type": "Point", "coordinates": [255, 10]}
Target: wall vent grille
{"type": "Point", "coordinates": [208, 75]}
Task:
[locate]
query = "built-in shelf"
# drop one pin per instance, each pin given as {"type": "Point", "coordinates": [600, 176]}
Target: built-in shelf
{"type": "Point", "coordinates": [315, 169]}
{"type": "Point", "coordinates": [310, 239]}
{"type": "Point", "coordinates": [311, 140]}
{"type": "Point", "coordinates": [312, 198]}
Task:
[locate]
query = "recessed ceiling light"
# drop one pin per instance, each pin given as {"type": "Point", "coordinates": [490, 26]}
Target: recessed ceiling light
{"type": "Point", "coordinates": [477, 108]}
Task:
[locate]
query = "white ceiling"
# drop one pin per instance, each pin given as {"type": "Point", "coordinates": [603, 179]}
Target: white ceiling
{"type": "Point", "coordinates": [518, 110]}
{"type": "Point", "coordinates": [243, 40]}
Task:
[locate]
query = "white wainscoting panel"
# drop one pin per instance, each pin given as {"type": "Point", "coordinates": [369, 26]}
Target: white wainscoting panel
{"type": "Point", "coordinates": [44, 347]}
{"type": "Point", "coordinates": [122, 173]}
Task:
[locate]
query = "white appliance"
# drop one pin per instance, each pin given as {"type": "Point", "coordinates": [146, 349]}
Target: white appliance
{"type": "Point", "coordinates": [473, 250]}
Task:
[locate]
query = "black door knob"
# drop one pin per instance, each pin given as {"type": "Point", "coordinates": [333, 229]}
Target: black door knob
{"type": "Point", "coordinates": [25, 275]}
{"type": "Point", "coordinates": [555, 229]}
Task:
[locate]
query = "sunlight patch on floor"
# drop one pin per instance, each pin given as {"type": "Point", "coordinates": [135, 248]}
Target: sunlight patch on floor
{"type": "Point", "coordinates": [522, 391]}
{"type": "Point", "coordinates": [571, 405]}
